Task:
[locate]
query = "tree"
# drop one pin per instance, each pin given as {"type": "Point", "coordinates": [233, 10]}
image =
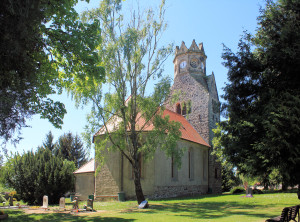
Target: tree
{"type": "Point", "coordinates": [263, 97]}
{"type": "Point", "coordinates": [42, 40]}
{"type": "Point", "coordinates": [230, 178]}
{"type": "Point", "coordinates": [48, 143]}
{"type": "Point", "coordinates": [71, 148]}
{"type": "Point", "coordinates": [34, 175]}
{"type": "Point", "coordinates": [132, 60]}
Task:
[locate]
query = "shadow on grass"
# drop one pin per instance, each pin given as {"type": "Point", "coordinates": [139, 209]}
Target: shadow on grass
{"type": "Point", "coordinates": [19, 216]}
{"type": "Point", "coordinates": [208, 209]}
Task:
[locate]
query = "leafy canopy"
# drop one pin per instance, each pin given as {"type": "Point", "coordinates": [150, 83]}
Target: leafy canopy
{"type": "Point", "coordinates": [133, 60]}
{"type": "Point", "coordinates": [44, 45]}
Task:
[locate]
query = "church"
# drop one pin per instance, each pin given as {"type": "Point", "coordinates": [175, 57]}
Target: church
{"type": "Point", "coordinates": [200, 173]}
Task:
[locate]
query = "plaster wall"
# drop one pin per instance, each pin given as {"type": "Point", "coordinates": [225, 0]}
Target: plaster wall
{"type": "Point", "coordinates": [84, 185]}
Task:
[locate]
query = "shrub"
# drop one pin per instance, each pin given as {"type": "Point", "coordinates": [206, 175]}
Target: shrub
{"type": "Point", "coordinates": [237, 190]}
{"type": "Point", "coordinates": [257, 191]}
{"type": "Point", "coordinates": [2, 199]}
{"type": "Point", "coordinates": [53, 174]}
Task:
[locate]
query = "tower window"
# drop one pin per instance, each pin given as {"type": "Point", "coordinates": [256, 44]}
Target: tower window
{"type": "Point", "coordinates": [178, 108]}
{"type": "Point", "coordinates": [184, 109]}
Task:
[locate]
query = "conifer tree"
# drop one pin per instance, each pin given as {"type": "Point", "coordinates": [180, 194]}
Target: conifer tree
{"type": "Point", "coordinates": [71, 148]}
{"type": "Point", "coordinates": [48, 143]}
{"type": "Point", "coordinates": [35, 174]}
{"type": "Point", "coordinates": [263, 96]}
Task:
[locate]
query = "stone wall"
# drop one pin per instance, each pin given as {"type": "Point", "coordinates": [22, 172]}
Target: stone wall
{"type": "Point", "coordinates": [177, 191]}
{"type": "Point", "coordinates": [108, 179]}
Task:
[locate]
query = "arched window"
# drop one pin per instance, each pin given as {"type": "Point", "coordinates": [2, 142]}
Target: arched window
{"type": "Point", "coordinates": [184, 109]}
{"type": "Point", "coordinates": [174, 169]}
{"type": "Point", "coordinates": [191, 164]}
{"type": "Point", "coordinates": [178, 108]}
{"type": "Point", "coordinates": [189, 107]}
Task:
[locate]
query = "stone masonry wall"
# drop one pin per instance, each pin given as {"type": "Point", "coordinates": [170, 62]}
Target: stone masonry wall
{"type": "Point", "coordinates": [176, 191]}
{"type": "Point", "coordinates": [191, 90]}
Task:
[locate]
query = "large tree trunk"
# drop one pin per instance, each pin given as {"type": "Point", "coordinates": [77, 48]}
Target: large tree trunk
{"type": "Point", "coordinates": [138, 187]}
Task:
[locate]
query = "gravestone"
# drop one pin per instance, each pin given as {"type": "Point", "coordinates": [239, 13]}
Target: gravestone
{"type": "Point", "coordinates": [45, 202]}
{"type": "Point", "coordinates": [90, 204]}
{"type": "Point", "coordinates": [11, 200]}
{"type": "Point", "coordinates": [62, 203]}
{"type": "Point", "coordinates": [249, 191]}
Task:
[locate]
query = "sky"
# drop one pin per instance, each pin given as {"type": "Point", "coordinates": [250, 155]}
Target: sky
{"type": "Point", "coordinates": [214, 22]}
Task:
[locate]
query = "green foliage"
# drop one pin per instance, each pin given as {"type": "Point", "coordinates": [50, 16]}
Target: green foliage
{"type": "Point", "coordinates": [2, 199]}
{"type": "Point", "coordinates": [34, 175]}
{"type": "Point", "coordinates": [133, 59]}
{"type": "Point", "coordinates": [263, 97]}
{"type": "Point", "coordinates": [48, 143]}
{"type": "Point", "coordinates": [44, 42]}
{"type": "Point", "coordinates": [230, 178]}
{"type": "Point", "coordinates": [237, 190]}
{"type": "Point", "coordinates": [71, 148]}
{"type": "Point", "coordinates": [257, 191]}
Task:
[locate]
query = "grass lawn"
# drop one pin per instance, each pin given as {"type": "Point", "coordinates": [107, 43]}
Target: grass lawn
{"type": "Point", "coordinates": [230, 208]}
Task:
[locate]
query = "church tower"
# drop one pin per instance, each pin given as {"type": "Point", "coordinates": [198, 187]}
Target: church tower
{"type": "Point", "coordinates": [197, 100]}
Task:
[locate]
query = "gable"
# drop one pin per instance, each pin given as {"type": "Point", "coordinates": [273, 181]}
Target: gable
{"type": "Point", "coordinates": [187, 130]}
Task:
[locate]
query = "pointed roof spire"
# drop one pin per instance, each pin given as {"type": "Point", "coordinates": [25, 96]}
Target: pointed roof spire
{"type": "Point", "coordinates": [183, 48]}
{"type": "Point", "coordinates": [194, 46]}
{"type": "Point", "coordinates": [201, 47]}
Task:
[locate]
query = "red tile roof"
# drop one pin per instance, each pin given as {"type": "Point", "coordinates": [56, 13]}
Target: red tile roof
{"type": "Point", "coordinates": [187, 130]}
{"type": "Point", "coordinates": [89, 167]}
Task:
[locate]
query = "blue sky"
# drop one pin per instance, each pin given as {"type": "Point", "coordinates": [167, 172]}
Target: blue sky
{"type": "Point", "coordinates": [212, 22]}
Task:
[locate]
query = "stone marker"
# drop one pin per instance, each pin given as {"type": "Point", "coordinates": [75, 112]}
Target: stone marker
{"type": "Point", "coordinates": [144, 204]}
{"type": "Point", "coordinates": [11, 201]}
{"type": "Point", "coordinates": [62, 203]}
{"type": "Point", "coordinates": [90, 204]}
{"type": "Point", "coordinates": [249, 191]}
{"type": "Point", "coordinates": [45, 202]}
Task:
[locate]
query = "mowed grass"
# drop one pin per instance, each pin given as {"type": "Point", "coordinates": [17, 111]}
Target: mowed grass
{"type": "Point", "coordinates": [232, 208]}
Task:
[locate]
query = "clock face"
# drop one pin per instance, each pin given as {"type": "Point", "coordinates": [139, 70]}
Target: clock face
{"type": "Point", "coordinates": [183, 64]}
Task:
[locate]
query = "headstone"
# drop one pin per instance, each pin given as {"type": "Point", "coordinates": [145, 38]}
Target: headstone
{"type": "Point", "coordinates": [11, 200]}
{"type": "Point", "coordinates": [62, 203]}
{"type": "Point", "coordinates": [144, 204]}
{"type": "Point", "coordinates": [90, 204]}
{"type": "Point", "coordinates": [45, 202]}
{"type": "Point", "coordinates": [249, 191]}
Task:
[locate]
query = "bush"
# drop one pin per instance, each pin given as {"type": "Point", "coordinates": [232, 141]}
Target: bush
{"type": "Point", "coordinates": [2, 199]}
{"type": "Point", "coordinates": [53, 174]}
{"type": "Point", "coordinates": [257, 191]}
{"type": "Point", "coordinates": [237, 190]}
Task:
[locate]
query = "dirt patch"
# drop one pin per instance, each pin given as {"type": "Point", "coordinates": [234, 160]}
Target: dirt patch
{"type": "Point", "coordinates": [51, 211]}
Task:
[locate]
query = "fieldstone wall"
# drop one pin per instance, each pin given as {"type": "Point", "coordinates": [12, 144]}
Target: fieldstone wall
{"type": "Point", "coordinates": [107, 183]}
{"type": "Point", "coordinates": [201, 90]}
{"type": "Point", "coordinates": [191, 90]}
{"type": "Point", "coordinates": [176, 191]}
